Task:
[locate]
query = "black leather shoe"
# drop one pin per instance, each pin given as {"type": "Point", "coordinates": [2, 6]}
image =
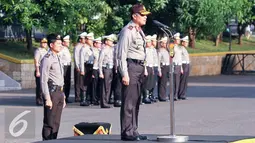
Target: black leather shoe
{"type": "Point", "coordinates": [142, 137]}
{"type": "Point", "coordinates": [162, 100]}
{"type": "Point", "coordinates": [84, 103]}
{"type": "Point", "coordinates": [183, 98]}
{"type": "Point", "coordinates": [96, 103]}
{"type": "Point", "coordinates": [117, 103]}
{"type": "Point", "coordinates": [105, 106]}
{"type": "Point", "coordinates": [130, 138]}
{"type": "Point", "coordinates": [146, 101]}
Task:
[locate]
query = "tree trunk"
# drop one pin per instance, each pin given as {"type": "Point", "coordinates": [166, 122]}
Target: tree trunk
{"type": "Point", "coordinates": [240, 39]}
{"type": "Point", "coordinates": [192, 37]}
{"type": "Point", "coordinates": [217, 40]}
{"type": "Point", "coordinates": [29, 39]}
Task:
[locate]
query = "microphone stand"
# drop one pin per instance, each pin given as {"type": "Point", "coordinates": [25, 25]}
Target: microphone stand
{"type": "Point", "coordinates": [172, 137]}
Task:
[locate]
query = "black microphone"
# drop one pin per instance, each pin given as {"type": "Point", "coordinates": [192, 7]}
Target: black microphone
{"type": "Point", "coordinates": [159, 24]}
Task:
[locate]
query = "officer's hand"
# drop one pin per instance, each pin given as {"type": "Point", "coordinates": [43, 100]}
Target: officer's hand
{"type": "Point", "coordinates": [78, 70]}
{"type": "Point", "coordinates": [38, 74]}
{"type": "Point", "coordinates": [101, 76]}
{"type": "Point", "coordinates": [181, 71]}
{"type": "Point", "coordinates": [145, 73]}
{"type": "Point", "coordinates": [93, 76]}
{"type": "Point", "coordinates": [125, 80]}
{"type": "Point", "coordinates": [64, 104]}
{"type": "Point", "coordinates": [49, 103]}
{"type": "Point", "coordinates": [159, 74]}
{"type": "Point", "coordinates": [82, 73]}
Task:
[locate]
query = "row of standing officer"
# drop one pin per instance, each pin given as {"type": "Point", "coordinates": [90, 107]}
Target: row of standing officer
{"type": "Point", "coordinates": [157, 68]}
{"type": "Point", "coordinates": [95, 71]}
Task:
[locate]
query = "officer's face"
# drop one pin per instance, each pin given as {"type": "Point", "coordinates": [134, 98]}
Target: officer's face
{"type": "Point", "coordinates": [109, 43]}
{"type": "Point", "coordinates": [89, 42]}
{"type": "Point", "coordinates": [56, 46]}
{"type": "Point", "coordinates": [154, 43]}
{"type": "Point", "coordinates": [97, 45]}
{"type": "Point", "coordinates": [66, 43]}
{"type": "Point", "coordinates": [139, 19]}
{"type": "Point", "coordinates": [163, 44]}
{"type": "Point", "coordinates": [44, 45]}
{"type": "Point", "coordinates": [177, 41]}
{"type": "Point", "coordinates": [185, 44]}
{"type": "Point", "coordinates": [148, 44]}
{"type": "Point", "coordinates": [82, 40]}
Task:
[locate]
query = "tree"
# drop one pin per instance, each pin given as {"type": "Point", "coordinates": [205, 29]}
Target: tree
{"type": "Point", "coordinates": [66, 16]}
{"type": "Point", "coordinates": [23, 12]}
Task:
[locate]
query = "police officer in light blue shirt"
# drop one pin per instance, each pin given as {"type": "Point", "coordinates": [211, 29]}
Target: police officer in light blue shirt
{"type": "Point", "coordinates": [106, 66]}
{"type": "Point", "coordinates": [86, 69]}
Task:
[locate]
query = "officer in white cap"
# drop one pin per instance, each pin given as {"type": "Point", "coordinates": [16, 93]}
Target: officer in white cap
{"type": "Point", "coordinates": [155, 59]}
{"type": "Point", "coordinates": [77, 75]}
{"type": "Point", "coordinates": [177, 61]}
{"type": "Point", "coordinates": [186, 68]}
{"type": "Point", "coordinates": [106, 64]}
{"type": "Point", "coordinates": [38, 55]}
{"type": "Point", "coordinates": [86, 69]}
{"type": "Point", "coordinates": [66, 61]}
{"type": "Point", "coordinates": [163, 69]}
{"type": "Point", "coordinates": [97, 43]}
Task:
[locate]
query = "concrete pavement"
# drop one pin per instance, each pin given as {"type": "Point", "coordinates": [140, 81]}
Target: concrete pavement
{"type": "Point", "coordinates": [216, 105]}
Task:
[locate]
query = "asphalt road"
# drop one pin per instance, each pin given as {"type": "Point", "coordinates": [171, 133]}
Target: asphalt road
{"type": "Point", "coordinates": [216, 105]}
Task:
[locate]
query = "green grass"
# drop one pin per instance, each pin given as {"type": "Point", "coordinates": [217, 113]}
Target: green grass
{"type": "Point", "coordinates": [205, 46]}
{"type": "Point", "coordinates": [18, 49]}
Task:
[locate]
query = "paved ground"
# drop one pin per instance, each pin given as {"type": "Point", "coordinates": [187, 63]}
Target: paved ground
{"type": "Point", "coordinates": [217, 105]}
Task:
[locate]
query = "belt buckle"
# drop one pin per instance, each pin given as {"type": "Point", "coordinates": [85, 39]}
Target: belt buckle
{"type": "Point", "coordinates": [61, 89]}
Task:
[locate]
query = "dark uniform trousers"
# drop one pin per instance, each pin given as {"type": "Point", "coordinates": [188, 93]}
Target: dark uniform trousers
{"type": "Point", "coordinates": [184, 80]}
{"type": "Point", "coordinates": [148, 82]}
{"type": "Point", "coordinates": [95, 86]}
{"type": "Point", "coordinates": [106, 83]}
{"type": "Point", "coordinates": [131, 100]}
{"type": "Point", "coordinates": [38, 90]}
{"type": "Point", "coordinates": [177, 79]}
{"type": "Point", "coordinates": [77, 84]}
{"type": "Point", "coordinates": [154, 80]}
{"type": "Point", "coordinates": [67, 80]}
{"type": "Point", "coordinates": [51, 119]}
{"type": "Point", "coordinates": [117, 85]}
{"type": "Point", "coordinates": [162, 82]}
{"type": "Point", "coordinates": [86, 81]}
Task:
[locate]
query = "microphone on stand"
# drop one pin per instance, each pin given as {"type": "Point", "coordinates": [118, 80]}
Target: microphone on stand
{"type": "Point", "coordinates": [159, 24]}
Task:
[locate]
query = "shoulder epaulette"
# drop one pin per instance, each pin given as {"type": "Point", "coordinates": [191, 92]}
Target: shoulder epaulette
{"type": "Point", "coordinates": [130, 27]}
{"type": "Point", "coordinates": [47, 55]}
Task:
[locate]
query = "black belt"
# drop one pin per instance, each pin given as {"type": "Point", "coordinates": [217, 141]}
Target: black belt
{"type": "Point", "coordinates": [55, 88]}
{"type": "Point", "coordinates": [140, 62]}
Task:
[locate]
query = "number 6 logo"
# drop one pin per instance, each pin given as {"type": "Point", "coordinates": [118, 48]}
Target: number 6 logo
{"type": "Point", "coordinates": [17, 121]}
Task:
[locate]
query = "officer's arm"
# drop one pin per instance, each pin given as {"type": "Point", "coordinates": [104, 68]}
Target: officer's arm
{"type": "Point", "coordinates": [36, 59]}
{"type": "Point", "coordinates": [100, 61]}
{"type": "Point", "coordinates": [45, 68]}
{"type": "Point", "coordinates": [125, 40]}
{"type": "Point", "coordinates": [76, 56]}
{"type": "Point", "coordinates": [82, 57]}
{"type": "Point", "coordinates": [159, 57]}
